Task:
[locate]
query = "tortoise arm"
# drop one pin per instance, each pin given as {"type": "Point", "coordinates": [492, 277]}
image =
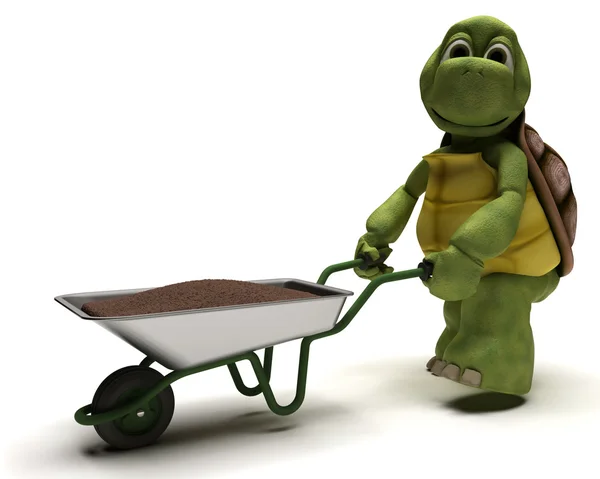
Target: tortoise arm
{"type": "Point", "coordinates": [490, 230]}
{"type": "Point", "coordinates": [387, 222]}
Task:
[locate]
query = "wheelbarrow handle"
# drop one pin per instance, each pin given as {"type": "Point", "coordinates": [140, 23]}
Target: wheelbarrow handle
{"type": "Point", "coordinates": [425, 269]}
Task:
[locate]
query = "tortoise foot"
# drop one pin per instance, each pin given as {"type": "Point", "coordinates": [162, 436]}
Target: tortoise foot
{"type": "Point", "coordinates": [500, 364]}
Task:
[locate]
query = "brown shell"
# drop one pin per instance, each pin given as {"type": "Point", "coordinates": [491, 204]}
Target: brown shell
{"type": "Point", "coordinates": [551, 181]}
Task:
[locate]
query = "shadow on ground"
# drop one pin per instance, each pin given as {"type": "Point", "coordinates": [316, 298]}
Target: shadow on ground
{"type": "Point", "coordinates": [404, 383]}
{"type": "Point", "coordinates": [363, 401]}
{"type": "Point", "coordinates": [205, 428]}
{"type": "Point", "coordinates": [212, 435]}
{"type": "Point", "coordinates": [485, 402]}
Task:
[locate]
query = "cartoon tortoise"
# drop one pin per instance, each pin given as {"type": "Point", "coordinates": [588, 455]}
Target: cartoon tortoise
{"type": "Point", "coordinates": [499, 215]}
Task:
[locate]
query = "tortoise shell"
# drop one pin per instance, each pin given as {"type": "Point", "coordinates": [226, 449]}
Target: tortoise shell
{"type": "Point", "coordinates": [551, 181]}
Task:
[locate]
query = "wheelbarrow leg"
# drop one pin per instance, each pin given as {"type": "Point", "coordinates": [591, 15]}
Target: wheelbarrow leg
{"type": "Point", "coordinates": [147, 362]}
{"type": "Point", "coordinates": [239, 382]}
{"type": "Point", "coordinates": [264, 380]}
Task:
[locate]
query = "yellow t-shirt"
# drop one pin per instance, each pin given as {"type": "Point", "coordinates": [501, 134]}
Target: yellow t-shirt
{"type": "Point", "coordinates": [460, 184]}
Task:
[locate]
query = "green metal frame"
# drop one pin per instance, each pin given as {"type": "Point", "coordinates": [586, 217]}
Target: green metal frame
{"type": "Point", "coordinates": [262, 370]}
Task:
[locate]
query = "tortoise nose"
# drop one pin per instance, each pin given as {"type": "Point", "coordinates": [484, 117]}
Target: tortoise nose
{"type": "Point", "coordinates": [478, 70]}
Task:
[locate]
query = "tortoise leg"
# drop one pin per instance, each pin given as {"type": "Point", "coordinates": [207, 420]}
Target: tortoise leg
{"type": "Point", "coordinates": [494, 347]}
{"type": "Point", "coordinates": [452, 317]}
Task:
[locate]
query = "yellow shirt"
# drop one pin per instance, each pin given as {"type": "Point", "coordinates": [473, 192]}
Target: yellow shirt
{"type": "Point", "coordinates": [460, 184]}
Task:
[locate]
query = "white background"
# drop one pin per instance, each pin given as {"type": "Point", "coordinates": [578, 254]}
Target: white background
{"type": "Point", "coordinates": [147, 143]}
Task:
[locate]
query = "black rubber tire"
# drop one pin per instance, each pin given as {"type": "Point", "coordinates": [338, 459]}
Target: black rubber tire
{"type": "Point", "coordinates": [122, 386]}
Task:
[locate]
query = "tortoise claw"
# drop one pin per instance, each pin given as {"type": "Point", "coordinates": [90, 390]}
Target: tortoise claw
{"type": "Point", "coordinates": [430, 363]}
{"type": "Point", "coordinates": [452, 371]}
{"type": "Point", "coordinates": [471, 378]}
{"type": "Point", "coordinates": [438, 367]}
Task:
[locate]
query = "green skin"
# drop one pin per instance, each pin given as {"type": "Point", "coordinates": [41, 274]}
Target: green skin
{"type": "Point", "coordinates": [474, 92]}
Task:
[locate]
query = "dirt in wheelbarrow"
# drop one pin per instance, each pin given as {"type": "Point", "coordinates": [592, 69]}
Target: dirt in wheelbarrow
{"type": "Point", "coordinates": [201, 294]}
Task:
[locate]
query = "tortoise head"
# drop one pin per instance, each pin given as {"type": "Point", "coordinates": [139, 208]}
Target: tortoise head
{"type": "Point", "coordinates": [477, 82]}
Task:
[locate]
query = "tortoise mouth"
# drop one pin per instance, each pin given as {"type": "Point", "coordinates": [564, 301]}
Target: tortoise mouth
{"type": "Point", "coordinates": [468, 126]}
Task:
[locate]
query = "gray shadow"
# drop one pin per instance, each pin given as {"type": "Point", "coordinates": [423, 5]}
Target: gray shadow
{"type": "Point", "coordinates": [233, 434]}
{"type": "Point", "coordinates": [211, 435]}
{"type": "Point", "coordinates": [398, 384]}
{"type": "Point", "coordinates": [401, 384]}
{"type": "Point", "coordinates": [190, 429]}
{"type": "Point", "coordinates": [485, 402]}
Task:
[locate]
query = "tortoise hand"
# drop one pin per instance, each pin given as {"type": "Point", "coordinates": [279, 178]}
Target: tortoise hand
{"type": "Point", "coordinates": [374, 257]}
{"type": "Point", "coordinates": [455, 275]}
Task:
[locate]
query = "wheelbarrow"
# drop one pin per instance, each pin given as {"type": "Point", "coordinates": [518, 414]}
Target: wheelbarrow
{"type": "Point", "coordinates": [134, 405]}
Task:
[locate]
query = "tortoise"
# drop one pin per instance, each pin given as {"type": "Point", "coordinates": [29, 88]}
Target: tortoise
{"type": "Point", "coordinates": [499, 215]}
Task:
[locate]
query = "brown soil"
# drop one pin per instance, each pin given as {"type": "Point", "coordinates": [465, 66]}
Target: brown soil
{"type": "Point", "coordinates": [207, 293]}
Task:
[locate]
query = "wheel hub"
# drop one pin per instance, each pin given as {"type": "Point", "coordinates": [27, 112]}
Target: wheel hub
{"type": "Point", "coordinates": [142, 419]}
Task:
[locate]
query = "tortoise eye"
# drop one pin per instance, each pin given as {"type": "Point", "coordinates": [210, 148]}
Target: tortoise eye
{"type": "Point", "coordinates": [457, 49]}
{"type": "Point", "coordinates": [500, 53]}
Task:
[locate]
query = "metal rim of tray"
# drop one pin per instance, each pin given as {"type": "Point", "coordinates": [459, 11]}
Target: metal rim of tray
{"type": "Point", "coordinates": [63, 301]}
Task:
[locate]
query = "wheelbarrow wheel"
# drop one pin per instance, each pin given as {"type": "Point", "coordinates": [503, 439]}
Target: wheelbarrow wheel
{"type": "Point", "coordinates": [143, 426]}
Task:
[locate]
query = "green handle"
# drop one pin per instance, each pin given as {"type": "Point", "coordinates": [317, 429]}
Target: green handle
{"type": "Point", "coordinates": [366, 294]}
{"type": "Point", "coordinates": [334, 268]}
{"type": "Point", "coordinates": [425, 269]}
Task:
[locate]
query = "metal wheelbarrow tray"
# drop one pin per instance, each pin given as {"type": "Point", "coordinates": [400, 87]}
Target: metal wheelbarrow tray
{"type": "Point", "coordinates": [184, 339]}
{"type": "Point", "coordinates": [134, 405]}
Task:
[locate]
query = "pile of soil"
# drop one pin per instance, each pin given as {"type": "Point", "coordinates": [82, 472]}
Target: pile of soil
{"type": "Point", "coordinates": [206, 293]}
